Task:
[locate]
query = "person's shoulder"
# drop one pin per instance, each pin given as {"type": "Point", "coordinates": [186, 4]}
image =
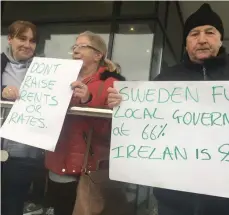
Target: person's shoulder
{"type": "Point", "coordinates": [3, 55]}
{"type": "Point", "coordinates": [4, 61]}
{"type": "Point", "coordinates": [170, 73]}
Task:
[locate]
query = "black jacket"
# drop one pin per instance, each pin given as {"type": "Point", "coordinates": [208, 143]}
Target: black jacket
{"type": "Point", "coordinates": [215, 69]}
{"type": "Point", "coordinates": [4, 61]}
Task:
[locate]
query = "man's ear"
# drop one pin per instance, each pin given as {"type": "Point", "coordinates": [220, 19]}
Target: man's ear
{"type": "Point", "coordinates": [186, 48]}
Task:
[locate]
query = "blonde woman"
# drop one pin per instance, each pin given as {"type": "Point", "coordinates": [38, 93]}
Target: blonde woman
{"type": "Point", "coordinates": [65, 164]}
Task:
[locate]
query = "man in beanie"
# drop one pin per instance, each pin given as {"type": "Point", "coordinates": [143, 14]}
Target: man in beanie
{"type": "Point", "coordinates": [205, 59]}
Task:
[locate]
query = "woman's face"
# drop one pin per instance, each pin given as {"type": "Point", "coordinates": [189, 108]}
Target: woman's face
{"type": "Point", "coordinates": [83, 50]}
{"type": "Point", "coordinates": [23, 46]}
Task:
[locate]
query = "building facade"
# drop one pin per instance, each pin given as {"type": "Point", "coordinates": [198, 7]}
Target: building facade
{"type": "Point", "coordinates": [141, 36]}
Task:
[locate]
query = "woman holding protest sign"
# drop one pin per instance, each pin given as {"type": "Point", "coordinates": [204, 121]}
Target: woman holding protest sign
{"type": "Point", "coordinates": [24, 161]}
{"type": "Point", "coordinates": [83, 146]}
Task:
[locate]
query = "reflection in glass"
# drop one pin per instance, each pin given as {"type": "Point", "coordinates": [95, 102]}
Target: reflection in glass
{"type": "Point", "coordinates": [158, 50]}
{"type": "Point", "coordinates": [57, 40]}
{"type": "Point", "coordinates": [132, 50]}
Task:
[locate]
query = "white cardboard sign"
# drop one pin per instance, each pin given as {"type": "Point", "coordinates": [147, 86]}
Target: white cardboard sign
{"type": "Point", "coordinates": [37, 117]}
{"type": "Point", "coordinates": [172, 135]}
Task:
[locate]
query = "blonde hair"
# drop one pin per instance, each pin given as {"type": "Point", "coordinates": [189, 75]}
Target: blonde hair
{"type": "Point", "coordinates": [96, 41]}
{"type": "Point", "coordinates": [118, 67]}
{"type": "Point", "coordinates": [99, 44]}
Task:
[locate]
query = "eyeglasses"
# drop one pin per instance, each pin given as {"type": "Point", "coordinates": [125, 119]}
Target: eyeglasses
{"type": "Point", "coordinates": [80, 46]}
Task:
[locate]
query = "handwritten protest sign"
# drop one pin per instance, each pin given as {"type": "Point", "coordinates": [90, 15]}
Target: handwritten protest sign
{"type": "Point", "coordinates": [172, 135]}
{"type": "Point", "coordinates": [37, 117]}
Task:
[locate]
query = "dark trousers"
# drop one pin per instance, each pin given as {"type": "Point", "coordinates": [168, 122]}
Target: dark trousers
{"type": "Point", "coordinates": [62, 196]}
{"type": "Point", "coordinates": [37, 194]}
{"type": "Point", "coordinates": [207, 205]}
{"type": "Point", "coordinates": [16, 178]}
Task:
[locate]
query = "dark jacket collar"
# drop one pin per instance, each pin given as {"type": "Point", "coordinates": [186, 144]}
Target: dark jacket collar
{"type": "Point", "coordinates": [210, 64]}
{"type": "Point", "coordinates": [104, 74]}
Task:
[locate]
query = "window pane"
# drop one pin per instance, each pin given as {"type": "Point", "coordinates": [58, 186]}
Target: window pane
{"type": "Point", "coordinates": [158, 51]}
{"type": "Point", "coordinates": [174, 30]}
{"type": "Point", "coordinates": [56, 40]}
{"type": "Point", "coordinates": [137, 8]}
{"type": "Point", "coordinates": [132, 50]}
{"type": "Point", "coordinates": [55, 11]}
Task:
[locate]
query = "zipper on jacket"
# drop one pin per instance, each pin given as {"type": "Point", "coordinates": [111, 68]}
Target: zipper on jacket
{"type": "Point", "coordinates": [205, 73]}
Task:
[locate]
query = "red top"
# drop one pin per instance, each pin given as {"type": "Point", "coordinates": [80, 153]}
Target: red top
{"type": "Point", "coordinates": [68, 157]}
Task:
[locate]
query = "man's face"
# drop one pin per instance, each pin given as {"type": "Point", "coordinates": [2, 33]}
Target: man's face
{"type": "Point", "coordinates": [23, 46]}
{"type": "Point", "coordinates": [203, 42]}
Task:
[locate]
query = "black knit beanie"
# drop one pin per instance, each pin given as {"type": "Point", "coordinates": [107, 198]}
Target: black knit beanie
{"type": "Point", "coordinates": [203, 16]}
